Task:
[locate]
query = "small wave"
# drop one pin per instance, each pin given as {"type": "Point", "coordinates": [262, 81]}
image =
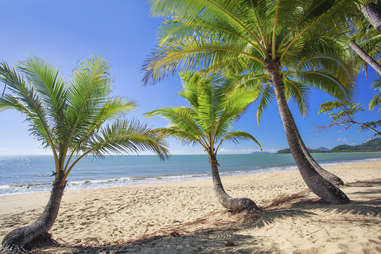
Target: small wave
{"type": "Point", "coordinates": [30, 185]}
{"type": "Point", "coordinates": [99, 181]}
{"type": "Point", "coordinates": [8, 188]}
{"type": "Point", "coordinates": [24, 188]}
{"type": "Point", "coordinates": [348, 161]}
{"type": "Point", "coordinates": [132, 180]}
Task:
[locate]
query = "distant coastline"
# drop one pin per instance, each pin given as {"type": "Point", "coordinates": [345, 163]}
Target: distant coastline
{"type": "Point", "coordinates": [373, 145]}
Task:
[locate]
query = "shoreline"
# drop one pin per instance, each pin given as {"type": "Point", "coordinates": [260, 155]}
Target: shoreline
{"type": "Point", "coordinates": [121, 215]}
{"type": "Point", "coordinates": [92, 184]}
{"type": "Point", "coordinates": [199, 180]}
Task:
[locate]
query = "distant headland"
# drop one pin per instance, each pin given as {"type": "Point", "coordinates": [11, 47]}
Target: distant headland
{"type": "Point", "coordinates": [373, 145]}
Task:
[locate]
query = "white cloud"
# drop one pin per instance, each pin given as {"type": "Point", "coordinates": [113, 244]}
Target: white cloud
{"type": "Point", "coordinates": [345, 141]}
{"type": "Point", "coordinates": [242, 151]}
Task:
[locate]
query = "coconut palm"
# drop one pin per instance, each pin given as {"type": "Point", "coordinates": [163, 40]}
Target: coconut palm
{"type": "Point", "coordinates": [371, 9]}
{"type": "Point", "coordinates": [363, 37]}
{"type": "Point", "coordinates": [213, 106]}
{"type": "Point", "coordinates": [281, 46]}
{"type": "Point", "coordinates": [73, 120]}
{"type": "Point", "coordinates": [365, 56]}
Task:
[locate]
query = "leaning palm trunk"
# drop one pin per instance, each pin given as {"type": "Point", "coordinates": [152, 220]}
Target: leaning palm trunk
{"type": "Point", "coordinates": [364, 56]}
{"type": "Point", "coordinates": [232, 204]}
{"type": "Point", "coordinates": [20, 237]}
{"type": "Point", "coordinates": [372, 15]}
{"type": "Point", "coordinates": [321, 187]}
{"type": "Point", "coordinates": [324, 173]}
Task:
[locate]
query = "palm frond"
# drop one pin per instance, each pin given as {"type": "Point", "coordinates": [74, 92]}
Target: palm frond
{"type": "Point", "coordinates": [235, 136]}
{"type": "Point", "coordinates": [88, 93]}
{"type": "Point", "coordinates": [182, 117]}
{"type": "Point", "coordinates": [189, 10]}
{"type": "Point", "coordinates": [376, 100]}
{"type": "Point", "coordinates": [326, 82]}
{"type": "Point", "coordinates": [298, 92]}
{"type": "Point", "coordinates": [51, 88]}
{"type": "Point", "coordinates": [192, 54]}
{"type": "Point", "coordinates": [234, 105]}
{"type": "Point", "coordinates": [112, 109]}
{"type": "Point", "coordinates": [28, 102]}
{"type": "Point", "coordinates": [122, 136]}
{"type": "Point", "coordinates": [181, 135]}
{"type": "Point", "coordinates": [266, 98]}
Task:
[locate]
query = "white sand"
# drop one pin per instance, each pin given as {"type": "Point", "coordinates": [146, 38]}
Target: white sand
{"type": "Point", "coordinates": [110, 216]}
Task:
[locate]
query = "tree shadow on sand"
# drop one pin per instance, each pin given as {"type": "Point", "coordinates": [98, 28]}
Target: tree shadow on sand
{"type": "Point", "coordinates": [365, 208]}
{"type": "Point", "coordinates": [369, 205]}
{"type": "Point", "coordinates": [223, 238]}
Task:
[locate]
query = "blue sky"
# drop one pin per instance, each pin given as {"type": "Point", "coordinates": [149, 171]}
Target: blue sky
{"type": "Point", "coordinates": [123, 32]}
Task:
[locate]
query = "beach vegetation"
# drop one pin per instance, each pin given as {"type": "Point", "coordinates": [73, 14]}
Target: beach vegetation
{"type": "Point", "coordinates": [213, 106]}
{"type": "Point", "coordinates": [342, 113]}
{"type": "Point", "coordinates": [73, 119]}
{"type": "Point", "coordinates": [282, 48]}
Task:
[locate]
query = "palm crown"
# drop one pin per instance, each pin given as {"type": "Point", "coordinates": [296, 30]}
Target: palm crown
{"type": "Point", "coordinates": [245, 35]}
{"type": "Point", "coordinates": [72, 117]}
{"type": "Point", "coordinates": [213, 106]}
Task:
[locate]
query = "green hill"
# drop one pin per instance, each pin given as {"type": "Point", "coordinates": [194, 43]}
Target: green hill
{"type": "Point", "coordinates": [287, 150]}
{"type": "Point", "coordinates": [373, 145]}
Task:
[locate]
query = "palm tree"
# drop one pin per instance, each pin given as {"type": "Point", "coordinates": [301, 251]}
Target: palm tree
{"type": "Point", "coordinates": [365, 56]}
{"type": "Point", "coordinates": [73, 120]}
{"type": "Point", "coordinates": [371, 9]}
{"type": "Point", "coordinates": [213, 106]}
{"type": "Point", "coordinates": [281, 46]}
{"type": "Point", "coordinates": [359, 18]}
{"type": "Point", "coordinates": [363, 37]}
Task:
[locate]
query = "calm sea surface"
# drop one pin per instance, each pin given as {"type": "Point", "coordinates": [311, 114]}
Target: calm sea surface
{"type": "Point", "coordinates": [20, 174]}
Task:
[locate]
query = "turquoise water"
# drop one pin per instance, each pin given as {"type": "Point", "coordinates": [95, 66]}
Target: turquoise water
{"type": "Point", "coordinates": [19, 174]}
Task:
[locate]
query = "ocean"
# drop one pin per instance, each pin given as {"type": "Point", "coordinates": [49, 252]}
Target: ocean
{"type": "Point", "coordinates": [21, 174]}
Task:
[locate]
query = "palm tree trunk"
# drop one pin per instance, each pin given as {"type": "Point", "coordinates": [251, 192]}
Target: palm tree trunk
{"type": "Point", "coordinates": [232, 204]}
{"type": "Point", "coordinates": [20, 237]}
{"type": "Point", "coordinates": [364, 56]}
{"type": "Point", "coordinates": [317, 184]}
{"type": "Point", "coordinates": [372, 15]}
{"type": "Point", "coordinates": [324, 173]}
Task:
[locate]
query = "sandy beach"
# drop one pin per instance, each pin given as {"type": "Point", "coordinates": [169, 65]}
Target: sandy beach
{"type": "Point", "coordinates": [185, 217]}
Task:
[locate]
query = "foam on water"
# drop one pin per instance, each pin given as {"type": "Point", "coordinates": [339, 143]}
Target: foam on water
{"type": "Point", "coordinates": [33, 173]}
